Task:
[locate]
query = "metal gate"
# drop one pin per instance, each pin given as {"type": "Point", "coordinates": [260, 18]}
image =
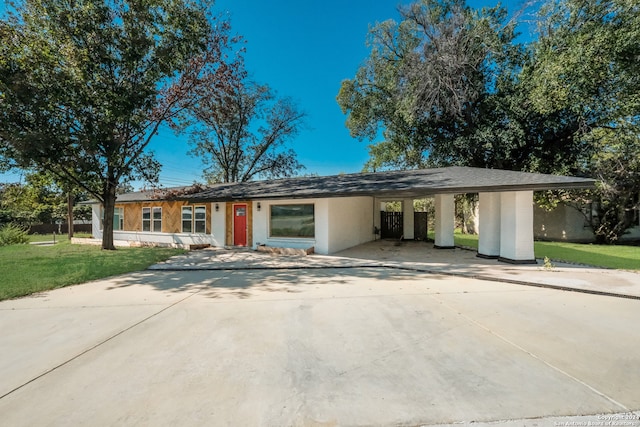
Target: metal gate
{"type": "Point", "coordinates": [391, 225]}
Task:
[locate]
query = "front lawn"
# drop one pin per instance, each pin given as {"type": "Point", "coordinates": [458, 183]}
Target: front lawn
{"type": "Point", "coordinates": [608, 256]}
{"type": "Point", "coordinates": [34, 268]}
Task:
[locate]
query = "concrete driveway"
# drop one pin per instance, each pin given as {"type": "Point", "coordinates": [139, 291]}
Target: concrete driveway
{"type": "Point", "coordinates": [316, 347]}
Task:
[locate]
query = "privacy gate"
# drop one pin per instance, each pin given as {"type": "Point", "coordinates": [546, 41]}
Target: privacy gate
{"type": "Point", "coordinates": [392, 225]}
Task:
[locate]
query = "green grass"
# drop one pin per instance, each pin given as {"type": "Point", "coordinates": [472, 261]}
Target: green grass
{"type": "Point", "coordinates": [608, 256]}
{"type": "Point", "coordinates": [33, 268]}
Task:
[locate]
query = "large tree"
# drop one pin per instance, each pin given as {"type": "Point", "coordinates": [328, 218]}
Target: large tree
{"type": "Point", "coordinates": [584, 69]}
{"type": "Point", "coordinates": [241, 132]}
{"type": "Point", "coordinates": [85, 85]}
{"type": "Point", "coordinates": [428, 82]}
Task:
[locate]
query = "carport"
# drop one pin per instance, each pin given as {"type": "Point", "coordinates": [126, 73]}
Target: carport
{"type": "Point", "coordinates": [505, 206]}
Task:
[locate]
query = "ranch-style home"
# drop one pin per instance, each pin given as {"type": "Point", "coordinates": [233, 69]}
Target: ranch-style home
{"type": "Point", "coordinates": [332, 213]}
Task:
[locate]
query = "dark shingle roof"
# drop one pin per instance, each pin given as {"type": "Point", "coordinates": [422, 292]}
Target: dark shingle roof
{"type": "Point", "coordinates": [144, 195]}
{"type": "Point", "coordinates": [411, 183]}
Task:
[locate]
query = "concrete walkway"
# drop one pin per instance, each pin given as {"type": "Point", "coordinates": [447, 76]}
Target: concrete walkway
{"type": "Point", "coordinates": [421, 257]}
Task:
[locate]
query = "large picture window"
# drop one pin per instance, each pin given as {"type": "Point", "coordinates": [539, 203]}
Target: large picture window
{"type": "Point", "coordinates": [152, 219]}
{"type": "Point", "coordinates": [292, 221]}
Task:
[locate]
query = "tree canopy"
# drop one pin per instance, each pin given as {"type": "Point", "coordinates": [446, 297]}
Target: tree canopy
{"type": "Point", "coordinates": [427, 80]}
{"type": "Point", "coordinates": [85, 85]}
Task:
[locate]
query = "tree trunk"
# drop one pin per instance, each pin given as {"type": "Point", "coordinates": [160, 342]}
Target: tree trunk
{"type": "Point", "coordinates": [109, 196]}
{"type": "Point", "coordinates": [70, 214]}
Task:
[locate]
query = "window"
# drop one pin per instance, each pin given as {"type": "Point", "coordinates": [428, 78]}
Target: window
{"type": "Point", "coordinates": [118, 218]}
{"type": "Point", "coordinates": [187, 219]}
{"type": "Point", "coordinates": [146, 219]}
{"type": "Point", "coordinates": [191, 223]}
{"type": "Point", "coordinates": [152, 219]}
{"type": "Point", "coordinates": [292, 221]}
{"type": "Point", "coordinates": [200, 220]}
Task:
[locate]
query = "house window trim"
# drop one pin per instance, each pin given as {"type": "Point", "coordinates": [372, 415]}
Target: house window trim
{"type": "Point", "coordinates": [279, 237]}
{"type": "Point", "coordinates": [152, 221]}
{"type": "Point", "coordinates": [182, 220]}
{"type": "Point", "coordinates": [196, 220]}
{"type": "Point", "coordinates": [120, 219]}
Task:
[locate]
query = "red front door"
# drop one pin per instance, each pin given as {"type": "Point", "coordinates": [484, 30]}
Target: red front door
{"type": "Point", "coordinates": [240, 225]}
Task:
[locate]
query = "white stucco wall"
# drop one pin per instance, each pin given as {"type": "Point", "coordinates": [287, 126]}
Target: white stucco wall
{"type": "Point", "coordinates": [261, 226]}
{"type": "Point", "coordinates": [182, 240]}
{"type": "Point", "coordinates": [96, 229]}
{"type": "Point", "coordinates": [351, 221]}
{"type": "Point", "coordinates": [218, 223]}
{"type": "Point", "coordinates": [340, 223]}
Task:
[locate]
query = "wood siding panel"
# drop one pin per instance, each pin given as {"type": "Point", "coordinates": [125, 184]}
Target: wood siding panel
{"type": "Point", "coordinates": [228, 238]}
{"type": "Point", "coordinates": [132, 216]}
{"type": "Point", "coordinates": [171, 215]}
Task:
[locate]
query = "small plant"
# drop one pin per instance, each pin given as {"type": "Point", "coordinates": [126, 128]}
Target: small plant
{"type": "Point", "coordinates": [12, 234]}
{"type": "Point", "coordinates": [548, 265]}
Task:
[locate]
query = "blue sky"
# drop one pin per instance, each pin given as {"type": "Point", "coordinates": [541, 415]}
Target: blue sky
{"type": "Point", "coordinates": [303, 50]}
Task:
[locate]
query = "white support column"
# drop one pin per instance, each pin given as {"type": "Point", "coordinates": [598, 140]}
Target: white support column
{"type": "Point", "coordinates": [516, 227]}
{"type": "Point", "coordinates": [96, 221]}
{"type": "Point", "coordinates": [489, 227]}
{"type": "Point", "coordinates": [407, 219]}
{"type": "Point", "coordinates": [445, 221]}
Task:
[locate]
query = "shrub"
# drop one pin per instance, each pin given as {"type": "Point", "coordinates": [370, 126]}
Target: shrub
{"type": "Point", "coordinates": [12, 234]}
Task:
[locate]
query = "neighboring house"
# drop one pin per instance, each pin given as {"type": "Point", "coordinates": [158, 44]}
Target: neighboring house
{"type": "Point", "coordinates": [333, 213]}
{"type": "Point", "coordinates": [566, 223]}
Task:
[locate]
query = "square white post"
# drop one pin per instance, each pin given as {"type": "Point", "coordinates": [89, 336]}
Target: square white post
{"type": "Point", "coordinates": [489, 227]}
{"type": "Point", "coordinates": [407, 219]}
{"type": "Point", "coordinates": [445, 221]}
{"type": "Point", "coordinates": [516, 227]}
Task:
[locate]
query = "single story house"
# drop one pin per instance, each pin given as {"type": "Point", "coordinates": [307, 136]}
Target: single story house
{"type": "Point", "coordinates": [332, 213]}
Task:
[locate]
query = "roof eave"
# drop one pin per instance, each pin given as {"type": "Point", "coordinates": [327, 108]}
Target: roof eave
{"type": "Point", "coordinates": [586, 184]}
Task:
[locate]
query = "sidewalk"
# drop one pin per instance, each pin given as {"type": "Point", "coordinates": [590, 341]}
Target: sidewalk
{"type": "Point", "coordinates": [420, 256]}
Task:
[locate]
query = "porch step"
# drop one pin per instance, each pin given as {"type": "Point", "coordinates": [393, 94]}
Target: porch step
{"type": "Point", "coordinates": [285, 251]}
{"type": "Point", "coordinates": [195, 247]}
